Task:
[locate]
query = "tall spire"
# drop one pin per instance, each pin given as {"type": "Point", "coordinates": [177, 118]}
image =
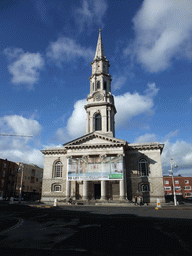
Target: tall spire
{"type": "Point", "coordinates": [99, 54]}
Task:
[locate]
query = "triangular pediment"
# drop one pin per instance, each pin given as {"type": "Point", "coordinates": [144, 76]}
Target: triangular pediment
{"type": "Point", "coordinates": [94, 139]}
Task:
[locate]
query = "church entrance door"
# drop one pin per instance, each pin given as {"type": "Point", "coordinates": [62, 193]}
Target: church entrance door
{"type": "Point", "coordinates": [97, 190]}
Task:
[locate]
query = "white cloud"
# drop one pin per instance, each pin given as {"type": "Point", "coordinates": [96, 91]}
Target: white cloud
{"type": "Point", "coordinates": [19, 149]}
{"type": "Point", "coordinates": [128, 106]}
{"type": "Point", "coordinates": [162, 32]}
{"type": "Point", "coordinates": [76, 125]}
{"type": "Point", "coordinates": [118, 82]}
{"type": "Point", "coordinates": [181, 152]}
{"type": "Point", "coordinates": [24, 67]}
{"type": "Point", "coordinates": [146, 138]}
{"type": "Point", "coordinates": [91, 12]}
{"type": "Point", "coordinates": [170, 135]}
{"type": "Point", "coordinates": [66, 49]}
{"type": "Point", "coordinates": [20, 125]}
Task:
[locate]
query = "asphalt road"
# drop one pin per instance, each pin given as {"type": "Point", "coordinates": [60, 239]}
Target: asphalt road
{"type": "Point", "coordinates": [90, 230]}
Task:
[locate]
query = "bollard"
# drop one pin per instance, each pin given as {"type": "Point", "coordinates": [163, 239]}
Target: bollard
{"type": "Point", "coordinates": [158, 203]}
{"type": "Point", "coordinates": [11, 200]}
{"type": "Point", "coordinates": [55, 202]}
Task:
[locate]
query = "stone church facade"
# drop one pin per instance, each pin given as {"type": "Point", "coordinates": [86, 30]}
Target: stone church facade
{"type": "Point", "coordinates": [98, 166]}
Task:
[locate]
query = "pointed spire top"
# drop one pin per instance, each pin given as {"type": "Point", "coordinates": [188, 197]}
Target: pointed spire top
{"type": "Point", "coordinates": [99, 50]}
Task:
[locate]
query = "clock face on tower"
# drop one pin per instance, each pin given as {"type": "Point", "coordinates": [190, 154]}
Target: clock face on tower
{"type": "Point", "coordinates": [98, 97]}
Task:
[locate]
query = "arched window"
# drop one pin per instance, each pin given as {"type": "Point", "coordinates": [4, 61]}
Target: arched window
{"type": "Point", "coordinates": [143, 167]}
{"type": "Point", "coordinates": [105, 86]}
{"type": "Point", "coordinates": [58, 169]}
{"type": "Point", "coordinates": [57, 188]}
{"type": "Point", "coordinates": [97, 122]}
{"type": "Point", "coordinates": [98, 85]}
{"type": "Point", "coordinates": [144, 188]}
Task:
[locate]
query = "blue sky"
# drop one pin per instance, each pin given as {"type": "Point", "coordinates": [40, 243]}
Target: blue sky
{"type": "Point", "coordinates": [46, 51]}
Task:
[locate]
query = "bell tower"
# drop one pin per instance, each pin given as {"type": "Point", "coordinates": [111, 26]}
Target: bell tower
{"type": "Point", "coordinates": [100, 106]}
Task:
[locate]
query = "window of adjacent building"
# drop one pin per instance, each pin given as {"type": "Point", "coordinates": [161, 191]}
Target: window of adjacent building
{"type": "Point", "coordinates": [98, 85]}
{"type": "Point", "coordinates": [167, 188]}
{"type": "Point", "coordinates": [5, 165]}
{"type": "Point", "coordinates": [3, 174]}
{"type": "Point", "coordinates": [2, 183]}
{"type": "Point", "coordinates": [97, 122]}
{"type": "Point", "coordinates": [166, 182]}
{"type": "Point", "coordinates": [36, 179]}
{"type": "Point", "coordinates": [186, 182]}
{"type": "Point", "coordinates": [32, 179]}
{"type": "Point", "coordinates": [32, 172]}
{"type": "Point", "coordinates": [176, 182]}
{"type": "Point", "coordinates": [178, 188]}
{"type": "Point", "coordinates": [187, 187]}
{"type": "Point", "coordinates": [144, 188]}
{"type": "Point", "coordinates": [188, 194]}
{"type": "Point", "coordinates": [58, 169]}
{"type": "Point", "coordinates": [57, 188]}
{"type": "Point", "coordinates": [143, 167]}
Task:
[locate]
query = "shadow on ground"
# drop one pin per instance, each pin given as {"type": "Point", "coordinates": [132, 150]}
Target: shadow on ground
{"type": "Point", "coordinates": [97, 234]}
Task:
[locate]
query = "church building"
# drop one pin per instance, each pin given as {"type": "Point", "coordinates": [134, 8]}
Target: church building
{"type": "Point", "coordinates": [98, 166]}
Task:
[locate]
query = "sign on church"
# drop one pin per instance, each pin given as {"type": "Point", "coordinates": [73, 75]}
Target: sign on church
{"type": "Point", "coordinates": [95, 168]}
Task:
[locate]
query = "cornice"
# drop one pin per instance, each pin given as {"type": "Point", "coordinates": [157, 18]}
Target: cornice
{"type": "Point", "coordinates": [146, 146]}
{"type": "Point", "coordinates": [100, 104]}
{"type": "Point", "coordinates": [55, 151]}
{"type": "Point", "coordinates": [94, 146]}
{"type": "Point", "coordinates": [99, 74]}
{"type": "Point", "coordinates": [99, 59]}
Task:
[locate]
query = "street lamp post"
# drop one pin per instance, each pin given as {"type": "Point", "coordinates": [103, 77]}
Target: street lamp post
{"type": "Point", "coordinates": [21, 165]}
{"type": "Point", "coordinates": [174, 195]}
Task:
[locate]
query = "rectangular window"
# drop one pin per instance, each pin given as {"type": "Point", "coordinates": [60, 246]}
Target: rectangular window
{"type": "Point", "coordinates": [176, 182]}
{"type": "Point", "coordinates": [3, 174]}
{"type": "Point", "coordinates": [177, 188]}
{"type": "Point", "coordinates": [5, 165]}
{"type": "Point", "coordinates": [186, 182]}
{"type": "Point", "coordinates": [167, 188]}
{"type": "Point", "coordinates": [32, 172]}
{"type": "Point", "coordinates": [188, 194]}
{"type": "Point", "coordinates": [32, 179]}
{"type": "Point", "coordinates": [2, 183]}
{"type": "Point", "coordinates": [166, 182]}
{"type": "Point", "coordinates": [187, 187]}
{"type": "Point", "coordinates": [36, 179]}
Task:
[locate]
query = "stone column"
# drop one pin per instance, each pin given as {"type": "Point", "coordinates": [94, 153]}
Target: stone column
{"type": "Point", "coordinates": [68, 188]}
{"type": "Point", "coordinates": [85, 190]}
{"type": "Point", "coordinates": [103, 190]}
{"type": "Point", "coordinates": [109, 120]}
{"type": "Point", "coordinates": [122, 189]}
{"type": "Point", "coordinates": [88, 125]}
{"type": "Point", "coordinates": [91, 129]}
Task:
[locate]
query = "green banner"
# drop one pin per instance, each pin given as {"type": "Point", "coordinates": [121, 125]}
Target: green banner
{"type": "Point", "coordinates": [115, 176]}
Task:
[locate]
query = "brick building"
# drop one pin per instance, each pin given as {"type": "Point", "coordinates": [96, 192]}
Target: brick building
{"type": "Point", "coordinates": [20, 178]}
{"type": "Point", "coordinates": [183, 187]}
{"type": "Point", "coordinates": [8, 171]}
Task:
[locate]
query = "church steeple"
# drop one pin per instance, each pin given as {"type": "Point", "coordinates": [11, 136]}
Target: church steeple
{"type": "Point", "coordinates": [100, 106]}
{"type": "Point", "coordinates": [99, 54]}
